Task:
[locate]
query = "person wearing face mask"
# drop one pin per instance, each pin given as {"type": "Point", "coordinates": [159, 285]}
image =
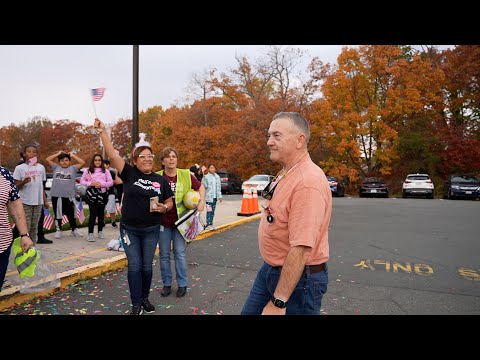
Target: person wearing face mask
{"type": "Point", "coordinates": [146, 196]}
{"type": "Point", "coordinates": [29, 178]}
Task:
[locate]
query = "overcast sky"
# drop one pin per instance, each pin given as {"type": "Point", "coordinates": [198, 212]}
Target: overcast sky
{"type": "Point", "coordinates": [54, 81]}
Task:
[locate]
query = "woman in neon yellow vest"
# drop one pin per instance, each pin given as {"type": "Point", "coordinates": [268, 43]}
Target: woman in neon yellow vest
{"type": "Point", "coordinates": [181, 181]}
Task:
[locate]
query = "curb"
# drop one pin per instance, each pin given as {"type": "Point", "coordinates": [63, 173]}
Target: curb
{"type": "Point", "coordinates": [12, 296]}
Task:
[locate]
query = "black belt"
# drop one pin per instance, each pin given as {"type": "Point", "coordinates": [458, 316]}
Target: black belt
{"type": "Point", "coordinates": [313, 268]}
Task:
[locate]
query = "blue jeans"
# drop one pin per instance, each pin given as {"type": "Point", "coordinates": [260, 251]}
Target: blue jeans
{"type": "Point", "coordinates": [4, 264]}
{"type": "Point", "coordinates": [167, 236]}
{"type": "Point", "coordinates": [306, 299]}
{"type": "Point", "coordinates": [140, 253]}
{"type": "Point", "coordinates": [211, 214]}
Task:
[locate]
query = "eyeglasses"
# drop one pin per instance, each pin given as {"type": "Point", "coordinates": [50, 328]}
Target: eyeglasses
{"type": "Point", "coordinates": [149, 156]}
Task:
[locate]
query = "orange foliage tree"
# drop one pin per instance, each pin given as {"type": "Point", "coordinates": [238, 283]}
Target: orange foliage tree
{"type": "Point", "coordinates": [367, 98]}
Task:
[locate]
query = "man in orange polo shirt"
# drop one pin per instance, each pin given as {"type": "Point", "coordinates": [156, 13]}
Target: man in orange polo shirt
{"type": "Point", "coordinates": [293, 231]}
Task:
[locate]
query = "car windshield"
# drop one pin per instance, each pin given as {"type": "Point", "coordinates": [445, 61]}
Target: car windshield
{"type": "Point", "coordinates": [464, 178]}
{"type": "Point", "coordinates": [331, 178]}
{"type": "Point", "coordinates": [418, 177]}
{"type": "Point", "coordinates": [373, 180]}
{"type": "Point", "coordinates": [259, 178]}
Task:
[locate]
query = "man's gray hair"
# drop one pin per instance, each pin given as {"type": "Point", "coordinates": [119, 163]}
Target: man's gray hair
{"type": "Point", "coordinates": [298, 120]}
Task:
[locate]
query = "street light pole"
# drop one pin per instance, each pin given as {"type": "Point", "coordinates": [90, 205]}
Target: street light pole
{"type": "Point", "coordinates": [135, 96]}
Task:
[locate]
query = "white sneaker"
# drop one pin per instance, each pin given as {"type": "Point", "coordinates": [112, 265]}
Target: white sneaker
{"type": "Point", "coordinates": [100, 235]}
{"type": "Point", "coordinates": [77, 233]}
{"type": "Point", "coordinates": [90, 237]}
{"type": "Point", "coordinates": [58, 234]}
{"type": "Point", "coordinates": [209, 227]}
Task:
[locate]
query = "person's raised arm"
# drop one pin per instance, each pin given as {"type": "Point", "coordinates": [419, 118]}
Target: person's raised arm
{"type": "Point", "coordinates": [115, 160]}
{"type": "Point", "coordinates": [80, 161]}
{"type": "Point", "coordinates": [51, 157]}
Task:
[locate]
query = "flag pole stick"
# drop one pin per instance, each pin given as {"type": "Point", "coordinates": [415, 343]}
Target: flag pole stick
{"type": "Point", "coordinates": [94, 109]}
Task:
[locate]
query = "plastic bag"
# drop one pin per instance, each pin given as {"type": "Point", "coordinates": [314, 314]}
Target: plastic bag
{"type": "Point", "coordinates": [190, 225]}
{"type": "Point", "coordinates": [115, 244]}
{"type": "Point", "coordinates": [34, 274]}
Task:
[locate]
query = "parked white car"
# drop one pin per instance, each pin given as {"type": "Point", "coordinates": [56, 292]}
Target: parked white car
{"type": "Point", "coordinates": [418, 185]}
{"type": "Point", "coordinates": [261, 181]}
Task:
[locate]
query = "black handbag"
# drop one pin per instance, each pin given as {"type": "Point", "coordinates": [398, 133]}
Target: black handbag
{"type": "Point", "coordinates": [94, 196]}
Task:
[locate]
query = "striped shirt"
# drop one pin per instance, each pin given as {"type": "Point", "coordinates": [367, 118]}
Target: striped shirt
{"type": "Point", "coordinates": [8, 192]}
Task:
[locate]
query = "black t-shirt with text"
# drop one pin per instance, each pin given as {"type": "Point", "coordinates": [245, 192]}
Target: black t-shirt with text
{"type": "Point", "coordinates": [138, 188]}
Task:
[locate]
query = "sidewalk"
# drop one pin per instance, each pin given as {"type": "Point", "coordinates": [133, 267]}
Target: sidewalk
{"type": "Point", "coordinates": [72, 258]}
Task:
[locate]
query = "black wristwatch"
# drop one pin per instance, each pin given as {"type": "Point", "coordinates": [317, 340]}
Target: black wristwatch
{"type": "Point", "coordinates": [23, 235]}
{"type": "Point", "coordinates": [279, 302]}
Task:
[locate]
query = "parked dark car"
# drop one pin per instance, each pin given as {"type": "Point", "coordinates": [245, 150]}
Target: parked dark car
{"type": "Point", "coordinates": [373, 186]}
{"type": "Point", "coordinates": [337, 187]}
{"type": "Point", "coordinates": [464, 186]}
{"type": "Point", "coordinates": [231, 182]}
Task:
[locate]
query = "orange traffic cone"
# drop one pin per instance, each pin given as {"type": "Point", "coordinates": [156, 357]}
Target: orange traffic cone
{"type": "Point", "coordinates": [246, 209]}
{"type": "Point", "coordinates": [255, 200]}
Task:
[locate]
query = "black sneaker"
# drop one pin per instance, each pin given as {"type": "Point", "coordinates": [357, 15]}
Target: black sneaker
{"type": "Point", "coordinates": [44, 241]}
{"type": "Point", "coordinates": [114, 224]}
{"type": "Point", "coordinates": [181, 291]}
{"type": "Point", "coordinates": [136, 310]}
{"type": "Point", "coordinates": [147, 306]}
{"type": "Point", "coordinates": [166, 291]}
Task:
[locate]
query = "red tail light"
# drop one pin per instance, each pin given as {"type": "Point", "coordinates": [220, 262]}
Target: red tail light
{"type": "Point", "coordinates": [334, 183]}
{"type": "Point", "coordinates": [224, 179]}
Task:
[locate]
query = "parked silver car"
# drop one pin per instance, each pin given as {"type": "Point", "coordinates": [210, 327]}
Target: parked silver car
{"type": "Point", "coordinates": [261, 181]}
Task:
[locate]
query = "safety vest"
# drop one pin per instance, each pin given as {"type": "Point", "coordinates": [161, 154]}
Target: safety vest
{"type": "Point", "coordinates": [184, 184]}
{"type": "Point", "coordinates": [26, 262]}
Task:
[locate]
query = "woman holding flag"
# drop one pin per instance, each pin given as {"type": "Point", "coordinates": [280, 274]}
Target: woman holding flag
{"type": "Point", "coordinates": [146, 196]}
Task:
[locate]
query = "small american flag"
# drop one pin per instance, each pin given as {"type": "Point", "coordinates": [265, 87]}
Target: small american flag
{"type": "Point", "coordinates": [80, 213]}
{"type": "Point", "coordinates": [64, 219]}
{"type": "Point", "coordinates": [97, 94]}
{"type": "Point", "coordinates": [47, 220]}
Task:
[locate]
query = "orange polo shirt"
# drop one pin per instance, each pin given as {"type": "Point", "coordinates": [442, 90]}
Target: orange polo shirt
{"type": "Point", "coordinates": [301, 207]}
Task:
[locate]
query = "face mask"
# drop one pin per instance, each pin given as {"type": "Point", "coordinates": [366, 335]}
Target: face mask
{"type": "Point", "coordinates": [32, 161]}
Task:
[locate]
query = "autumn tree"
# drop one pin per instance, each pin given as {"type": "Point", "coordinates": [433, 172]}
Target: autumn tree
{"type": "Point", "coordinates": [201, 89]}
{"type": "Point", "coordinates": [121, 136]}
{"type": "Point", "coordinates": [459, 114]}
{"type": "Point", "coordinates": [368, 97]}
